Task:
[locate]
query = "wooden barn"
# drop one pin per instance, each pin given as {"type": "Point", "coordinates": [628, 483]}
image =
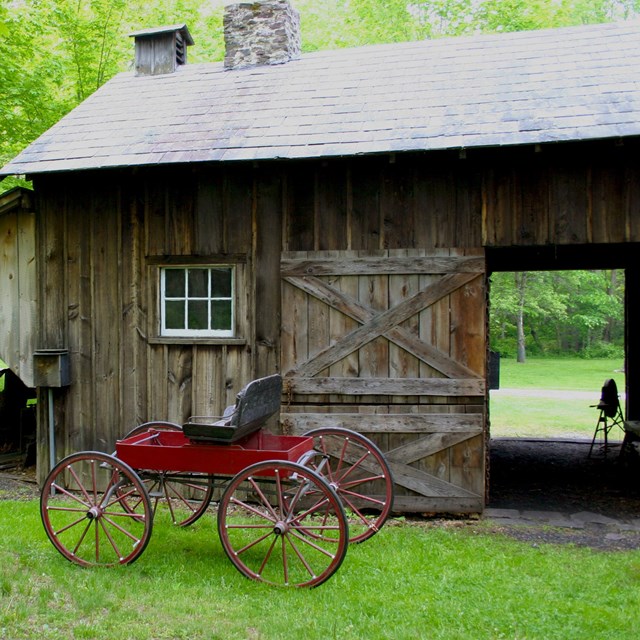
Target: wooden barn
{"type": "Point", "coordinates": [333, 216]}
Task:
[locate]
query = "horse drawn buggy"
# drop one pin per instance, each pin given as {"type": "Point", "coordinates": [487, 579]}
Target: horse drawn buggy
{"type": "Point", "coordinates": [287, 506]}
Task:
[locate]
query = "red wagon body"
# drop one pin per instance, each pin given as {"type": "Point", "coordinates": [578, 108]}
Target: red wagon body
{"type": "Point", "coordinates": [173, 451]}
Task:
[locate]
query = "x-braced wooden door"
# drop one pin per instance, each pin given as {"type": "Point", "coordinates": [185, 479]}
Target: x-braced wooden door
{"type": "Point", "coordinates": [393, 344]}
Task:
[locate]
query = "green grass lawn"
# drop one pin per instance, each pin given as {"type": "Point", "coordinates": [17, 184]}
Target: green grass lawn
{"type": "Point", "coordinates": [575, 374]}
{"type": "Point", "coordinates": [409, 581]}
{"type": "Point", "coordinates": [557, 416]}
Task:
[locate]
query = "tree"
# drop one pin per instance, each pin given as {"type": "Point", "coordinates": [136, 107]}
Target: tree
{"type": "Point", "coordinates": [553, 312]}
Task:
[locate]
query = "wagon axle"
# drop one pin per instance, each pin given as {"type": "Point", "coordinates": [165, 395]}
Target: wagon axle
{"type": "Point", "coordinates": [94, 513]}
{"type": "Point", "coordinates": [280, 528]}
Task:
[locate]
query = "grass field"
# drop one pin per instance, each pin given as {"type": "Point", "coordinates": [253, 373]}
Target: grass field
{"type": "Point", "coordinates": [574, 374]}
{"type": "Point", "coordinates": [410, 581]}
{"type": "Point", "coordinates": [557, 415]}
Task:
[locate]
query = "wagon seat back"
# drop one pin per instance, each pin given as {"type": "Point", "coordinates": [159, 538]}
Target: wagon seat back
{"type": "Point", "coordinates": [255, 404]}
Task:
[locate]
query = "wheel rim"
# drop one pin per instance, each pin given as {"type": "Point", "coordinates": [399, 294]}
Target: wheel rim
{"type": "Point", "coordinates": [87, 510]}
{"type": "Point", "coordinates": [158, 425]}
{"type": "Point", "coordinates": [186, 495]}
{"type": "Point", "coordinates": [282, 524]}
{"type": "Point", "coordinates": [357, 470]}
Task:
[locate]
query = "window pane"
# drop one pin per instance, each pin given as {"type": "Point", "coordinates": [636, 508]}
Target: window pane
{"type": "Point", "coordinates": [174, 283]}
{"type": "Point", "coordinates": [198, 283]}
{"type": "Point", "coordinates": [221, 314]}
{"type": "Point", "coordinates": [197, 314]}
{"type": "Point", "coordinates": [221, 283]}
{"type": "Point", "coordinates": [174, 314]}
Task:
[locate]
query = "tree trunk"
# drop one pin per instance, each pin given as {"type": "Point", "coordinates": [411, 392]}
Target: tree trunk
{"type": "Point", "coordinates": [521, 286]}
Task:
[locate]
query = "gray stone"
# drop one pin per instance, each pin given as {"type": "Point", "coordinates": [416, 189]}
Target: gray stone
{"type": "Point", "coordinates": [589, 517]}
{"type": "Point", "coordinates": [257, 33]}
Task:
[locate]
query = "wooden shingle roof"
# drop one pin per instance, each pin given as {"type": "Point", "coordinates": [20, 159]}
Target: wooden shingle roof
{"type": "Point", "coordinates": [567, 84]}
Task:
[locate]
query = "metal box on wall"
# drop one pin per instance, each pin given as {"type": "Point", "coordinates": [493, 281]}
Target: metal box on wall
{"type": "Point", "coordinates": [51, 368]}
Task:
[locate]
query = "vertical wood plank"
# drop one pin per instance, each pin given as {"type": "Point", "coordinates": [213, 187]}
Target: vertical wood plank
{"type": "Point", "coordinates": [397, 205]}
{"type": "Point", "coordinates": [238, 203]}
{"type": "Point", "coordinates": [209, 220]}
{"type": "Point", "coordinates": [180, 383]}
{"type": "Point", "coordinates": [25, 333]}
{"type": "Point", "coordinates": [106, 294]}
{"type": "Point", "coordinates": [364, 213]}
{"type": "Point", "coordinates": [373, 357]}
{"type": "Point", "coordinates": [569, 203]}
{"type": "Point", "coordinates": [331, 206]}
{"type": "Point", "coordinates": [607, 200]}
{"type": "Point", "coordinates": [300, 208]}
{"type": "Point", "coordinates": [134, 320]}
{"type": "Point", "coordinates": [266, 307]}
{"type": "Point", "coordinates": [81, 403]}
{"type": "Point", "coordinates": [340, 325]}
{"type": "Point", "coordinates": [10, 290]}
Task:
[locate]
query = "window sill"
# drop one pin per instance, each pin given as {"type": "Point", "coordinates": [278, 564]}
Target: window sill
{"type": "Point", "coordinates": [199, 341]}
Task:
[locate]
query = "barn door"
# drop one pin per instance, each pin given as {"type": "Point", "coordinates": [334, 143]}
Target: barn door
{"type": "Point", "coordinates": [392, 345]}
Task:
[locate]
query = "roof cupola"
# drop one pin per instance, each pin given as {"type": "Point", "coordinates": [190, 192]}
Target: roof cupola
{"type": "Point", "coordinates": [161, 50]}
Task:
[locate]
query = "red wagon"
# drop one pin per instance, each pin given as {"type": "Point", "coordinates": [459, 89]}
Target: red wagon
{"type": "Point", "coordinates": [287, 506]}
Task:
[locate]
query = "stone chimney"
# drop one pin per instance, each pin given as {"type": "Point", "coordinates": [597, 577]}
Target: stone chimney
{"type": "Point", "coordinates": [257, 33]}
{"type": "Point", "coordinates": [161, 50]}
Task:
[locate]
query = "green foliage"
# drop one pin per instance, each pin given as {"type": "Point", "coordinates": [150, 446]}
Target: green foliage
{"type": "Point", "coordinates": [576, 311]}
{"type": "Point", "coordinates": [55, 53]}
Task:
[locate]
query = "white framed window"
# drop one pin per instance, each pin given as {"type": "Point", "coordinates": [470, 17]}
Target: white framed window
{"type": "Point", "coordinates": [197, 301]}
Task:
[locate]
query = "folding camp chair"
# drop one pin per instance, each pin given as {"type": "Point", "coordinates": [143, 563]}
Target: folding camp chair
{"type": "Point", "coordinates": [610, 414]}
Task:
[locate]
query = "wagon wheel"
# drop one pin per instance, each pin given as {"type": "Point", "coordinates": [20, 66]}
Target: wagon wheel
{"type": "Point", "coordinates": [274, 532]}
{"type": "Point", "coordinates": [158, 425]}
{"type": "Point", "coordinates": [86, 511]}
{"type": "Point", "coordinates": [359, 473]}
{"type": "Point", "coordinates": [187, 495]}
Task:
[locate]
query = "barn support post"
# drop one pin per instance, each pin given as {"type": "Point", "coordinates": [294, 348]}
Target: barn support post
{"type": "Point", "coordinates": [632, 342]}
{"type": "Point", "coordinates": [51, 371]}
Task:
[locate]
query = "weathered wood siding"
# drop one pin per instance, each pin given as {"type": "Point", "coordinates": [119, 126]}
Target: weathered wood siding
{"type": "Point", "coordinates": [101, 236]}
{"type": "Point", "coordinates": [568, 195]}
{"type": "Point", "coordinates": [17, 283]}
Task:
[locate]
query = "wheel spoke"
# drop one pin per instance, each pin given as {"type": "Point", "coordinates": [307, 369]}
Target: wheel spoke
{"type": "Point", "coordinates": [82, 536]}
{"type": "Point", "coordinates": [265, 503]}
{"type": "Point", "coordinates": [69, 526]}
{"type": "Point", "coordinates": [73, 496]}
{"type": "Point", "coordinates": [310, 543]}
{"type": "Point", "coordinates": [108, 535]}
{"type": "Point", "coordinates": [253, 543]}
{"type": "Point", "coordinates": [254, 511]}
{"type": "Point", "coordinates": [267, 556]}
{"type": "Point", "coordinates": [353, 467]}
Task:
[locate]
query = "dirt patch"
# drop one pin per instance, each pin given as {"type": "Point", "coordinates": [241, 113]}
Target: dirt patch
{"type": "Point", "coordinates": [560, 476]}
{"type": "Point", "coordinates": [18, 484]}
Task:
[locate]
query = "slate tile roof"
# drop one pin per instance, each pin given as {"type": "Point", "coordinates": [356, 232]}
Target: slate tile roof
{"type": "Point", "coordinates": [575, 83]}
